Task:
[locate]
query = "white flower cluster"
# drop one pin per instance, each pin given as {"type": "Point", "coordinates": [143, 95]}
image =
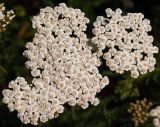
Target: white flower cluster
{"type": "Point", "coordinates": [155, 114]}
{"type": "Point", "coordinates": [62, 64]}
{"type": "Point", "coordinates": [124, 43]}
{"type": "Point", "coordinates": [33, 103]}
{"type": "Point", "coordinates": [5, 18]}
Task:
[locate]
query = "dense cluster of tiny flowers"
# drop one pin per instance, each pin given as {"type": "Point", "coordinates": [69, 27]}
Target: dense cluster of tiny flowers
{"type": "Point", "coordinates": [124, 43]}
{"type": "Point", "coordinates": [63, 67]}
{"type": "Point", "coordinates": [139, 111]}
{"type": "Point", "coordinates": [60, 55]}
{"type": "Point", "coordinates": [33, 103]}
{"type": "Point", "coordinates": [5, 17]}
{"type": "Point", "coordinates": [155, 114]}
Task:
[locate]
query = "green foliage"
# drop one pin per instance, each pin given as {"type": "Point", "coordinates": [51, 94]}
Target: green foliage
{"type": "Point", "coordinates": [126, 89]}
{"type": "Point", "coordinates": [19, 10]}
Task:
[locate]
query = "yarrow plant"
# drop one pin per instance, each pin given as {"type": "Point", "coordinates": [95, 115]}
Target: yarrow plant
{"type": "Point", "coordinates": [155, 114]}
{"type": "Point", "coordinates": [5, 17]}
{"type": "Point", "coordinates": [139, 111]}
{"type": "Point", "coordinates": [124, 43]}
{"type": "Point", "coordinates": [62, 64]}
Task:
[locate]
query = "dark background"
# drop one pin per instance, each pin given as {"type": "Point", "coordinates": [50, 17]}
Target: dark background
{"type": "Point", "coordinates": [115, 98]}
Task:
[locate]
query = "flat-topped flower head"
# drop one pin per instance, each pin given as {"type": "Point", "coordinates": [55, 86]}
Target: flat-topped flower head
{"type": "Point", "coordinates": [38, 103]}
{"type": "Point", "coordinates": [60, 55]}
{"type": "Point", "coordinates": [61, 21]}
{"type": "Point", "coordinates": [123, 41]}
{"type": "Point", "coordinates": [63, 67]}
{"type": "Point", "coordinates": [5, 17]}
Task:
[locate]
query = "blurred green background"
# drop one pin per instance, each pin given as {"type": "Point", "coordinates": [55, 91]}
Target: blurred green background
{"type": "Point", "coordinates": [115, 98]}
